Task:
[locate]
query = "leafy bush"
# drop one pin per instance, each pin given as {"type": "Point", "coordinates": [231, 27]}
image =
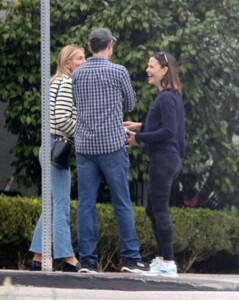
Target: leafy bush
{"type": "Point", "coordinates": [203, 35]}
{"type": "Point", "coordinates": [18, 220]}
{"type": "Point", "coordinates": [199, 233]}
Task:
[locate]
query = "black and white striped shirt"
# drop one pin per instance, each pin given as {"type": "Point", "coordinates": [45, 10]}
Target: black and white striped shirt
{"type": "Point", "coordinates": [62, 108]}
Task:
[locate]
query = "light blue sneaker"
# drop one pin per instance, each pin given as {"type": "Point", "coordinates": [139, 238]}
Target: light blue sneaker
{"type": "Point", "coordinates": [159, 268]}
{"type": "Point", "coordinates": [155, 262]}
{"type": "Point", "coordinates": [154, 267]}
{"type": "Point", "coordinates": [168, 269]}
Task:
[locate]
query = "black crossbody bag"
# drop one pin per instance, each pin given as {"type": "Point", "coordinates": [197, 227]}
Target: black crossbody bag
{"type": "Point", "coordinates": [63, 148]}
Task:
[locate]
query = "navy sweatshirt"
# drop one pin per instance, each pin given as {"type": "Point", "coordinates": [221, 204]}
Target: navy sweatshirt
{"type": "Point", "coordinates": [164, 129]}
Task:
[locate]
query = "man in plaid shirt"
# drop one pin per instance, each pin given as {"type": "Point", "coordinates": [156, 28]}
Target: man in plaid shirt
{"type": "Point", "coordinates": [102, 91]}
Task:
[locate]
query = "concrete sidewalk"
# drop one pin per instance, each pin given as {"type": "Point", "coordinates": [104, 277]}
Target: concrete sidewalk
{"type": "Point", "coordinates": [121, 281]}
{"type": "Point", "coordinates": [29, 293]}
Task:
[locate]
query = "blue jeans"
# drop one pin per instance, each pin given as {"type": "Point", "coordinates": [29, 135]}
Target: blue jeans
{"type": "Point", "coordinates": [90, 169]}
{"type": "Point", "coordinates": [60, 192]}
{"type": "Point", "coordinates": [163, 169]}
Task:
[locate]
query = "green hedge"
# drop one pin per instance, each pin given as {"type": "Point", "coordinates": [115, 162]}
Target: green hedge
{"type": "Point", "coordinates": [199, 233]}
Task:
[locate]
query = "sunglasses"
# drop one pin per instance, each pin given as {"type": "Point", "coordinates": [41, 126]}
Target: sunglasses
{"type": "Point", "coordinates": [165, 57]}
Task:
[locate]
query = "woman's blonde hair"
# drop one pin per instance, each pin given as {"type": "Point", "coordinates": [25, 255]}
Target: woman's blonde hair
{"type": "Point", "coordinates": [66, 53]}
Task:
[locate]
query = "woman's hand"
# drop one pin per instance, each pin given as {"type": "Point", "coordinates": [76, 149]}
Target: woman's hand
{"type": "Point", "coordinates": [135, 126]}
{"type": "Point", "coordinates": [131, 138]}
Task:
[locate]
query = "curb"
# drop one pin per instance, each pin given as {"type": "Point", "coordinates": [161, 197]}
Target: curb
{"type": "Point", "coordinates": [122, 281]}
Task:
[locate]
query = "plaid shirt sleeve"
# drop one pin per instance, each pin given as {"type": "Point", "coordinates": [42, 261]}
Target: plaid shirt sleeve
{"type": "Point", "coordinates": [128, 93]}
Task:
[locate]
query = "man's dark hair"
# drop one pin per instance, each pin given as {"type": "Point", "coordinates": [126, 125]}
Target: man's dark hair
{"type": "Point", "coordinates": [98, 45]}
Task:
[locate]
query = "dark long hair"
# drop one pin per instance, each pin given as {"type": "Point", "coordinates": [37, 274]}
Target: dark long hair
{"type": "Point", "coordinates": [171, 79]}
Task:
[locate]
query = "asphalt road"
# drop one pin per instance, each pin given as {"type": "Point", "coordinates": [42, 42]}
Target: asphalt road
{"type": "Point", "coordinates": [33, 293]}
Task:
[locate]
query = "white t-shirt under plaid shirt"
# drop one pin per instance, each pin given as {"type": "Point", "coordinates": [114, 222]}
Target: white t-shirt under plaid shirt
{"type": "Point", "coordinates": [102, 91]}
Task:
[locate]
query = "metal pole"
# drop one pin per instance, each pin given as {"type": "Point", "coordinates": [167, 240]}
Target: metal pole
{"type": "Point", "coordinates": [45, 135]}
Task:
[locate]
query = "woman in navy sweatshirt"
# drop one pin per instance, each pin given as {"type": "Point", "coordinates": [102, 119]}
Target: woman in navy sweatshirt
{"type": "Point", "coordinates": [163, 138]}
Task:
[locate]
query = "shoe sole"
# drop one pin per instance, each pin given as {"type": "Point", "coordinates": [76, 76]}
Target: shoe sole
{"type": "Point", "coordinates": [126, 269]}
{"type": "Point", "coordinates": [151, 274]}
{"type": "Point", "coordinates": [169, 275]}
{"type": "Point", "coordinates": [160, 274]}
{"type": "Point", "coordinates": [85, 270]}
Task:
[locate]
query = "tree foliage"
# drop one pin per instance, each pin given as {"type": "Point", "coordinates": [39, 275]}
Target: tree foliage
{"type": "Point", "coordinates": [202, 35]}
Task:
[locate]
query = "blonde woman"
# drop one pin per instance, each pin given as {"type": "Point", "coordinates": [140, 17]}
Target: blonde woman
{"type": "Point", "coordinates": [62, 123]}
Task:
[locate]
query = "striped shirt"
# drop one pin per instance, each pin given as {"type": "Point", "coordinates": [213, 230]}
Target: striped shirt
{"type": "Point", "coordinates": [102, 91]}
{"type": "Point", "coordinates": [62, 108]}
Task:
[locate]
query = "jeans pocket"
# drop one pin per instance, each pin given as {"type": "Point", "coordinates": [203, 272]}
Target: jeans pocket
{"type": "Point", "coordinates": [81, 159]}
{"type": "Point", "coordinates": [112, 160]}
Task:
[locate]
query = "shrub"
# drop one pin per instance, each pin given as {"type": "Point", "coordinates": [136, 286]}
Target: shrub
{"type": "Point", "coordinates": [199, 233]}
{"type": "Point", "coordinates": [18, 220]}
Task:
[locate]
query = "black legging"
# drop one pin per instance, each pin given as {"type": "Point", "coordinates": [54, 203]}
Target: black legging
{"type": "Point", "coordinates": [163, 169]}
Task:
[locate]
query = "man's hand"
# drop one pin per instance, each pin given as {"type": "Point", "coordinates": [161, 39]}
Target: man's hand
{"type": "Point", "coordinates": [135, 126]}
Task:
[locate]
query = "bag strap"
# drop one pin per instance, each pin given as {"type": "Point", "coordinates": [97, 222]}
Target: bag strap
{"type": "Point", "coordinates": [57, 90]}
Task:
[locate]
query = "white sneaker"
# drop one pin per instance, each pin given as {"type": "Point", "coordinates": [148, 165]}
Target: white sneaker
{"type": "Point", "coordinates": [160, 268]}
{"type": "Point", "coordinates": [168, 269]}
{"type": "Point", "coordinates": [155, 262]}
{"type": "Point", "coordinates": [154, 267]}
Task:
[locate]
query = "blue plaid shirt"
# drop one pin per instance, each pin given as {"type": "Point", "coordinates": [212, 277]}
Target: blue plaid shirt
{"type": "Point", "coordinates": [102, 91]}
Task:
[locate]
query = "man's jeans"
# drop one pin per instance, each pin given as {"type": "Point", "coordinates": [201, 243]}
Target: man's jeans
{"type": "Point", "coordinates": [90, 169]}
{"type": "Point", "coordinates": [60, 190]}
